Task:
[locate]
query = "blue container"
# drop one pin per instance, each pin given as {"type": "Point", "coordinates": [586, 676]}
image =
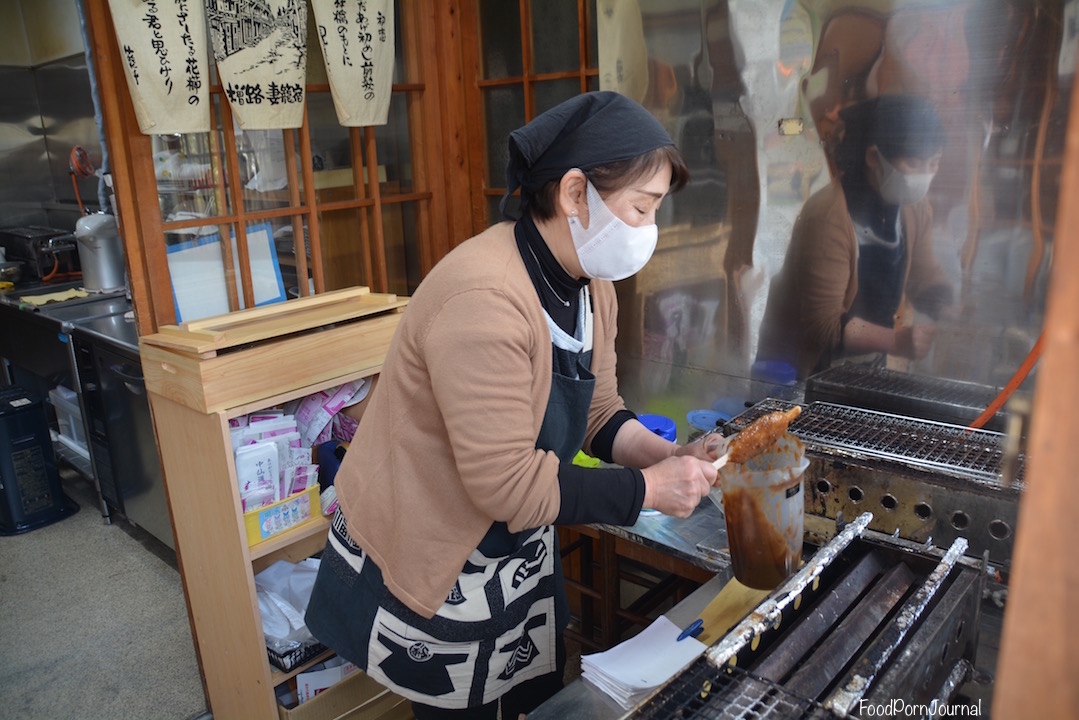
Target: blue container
{"type": "Point", "coordinates": [660, 425]}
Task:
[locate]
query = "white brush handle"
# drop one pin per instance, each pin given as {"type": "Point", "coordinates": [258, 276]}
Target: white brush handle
{"type": "Point", "coordinates": [721, 461]}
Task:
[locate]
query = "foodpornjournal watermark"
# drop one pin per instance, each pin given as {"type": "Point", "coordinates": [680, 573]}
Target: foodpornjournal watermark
{"type": "Point", "coordinates": [933, 709]}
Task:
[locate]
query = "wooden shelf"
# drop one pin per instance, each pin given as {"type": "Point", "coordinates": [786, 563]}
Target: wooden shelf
{"type": "Point", "coordinates": [283, 676]}
{"type": "Point", "coordinates": [267, 356]}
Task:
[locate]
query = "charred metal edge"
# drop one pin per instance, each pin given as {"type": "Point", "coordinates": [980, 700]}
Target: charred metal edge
{"type": "Point", "coordinates": [865, 671]}
{"type": "Point", "coordinates": [771, 609]}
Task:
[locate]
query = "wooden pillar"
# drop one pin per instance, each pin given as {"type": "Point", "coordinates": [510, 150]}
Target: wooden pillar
{"type": "Point", "coordinates": [1038, 669]}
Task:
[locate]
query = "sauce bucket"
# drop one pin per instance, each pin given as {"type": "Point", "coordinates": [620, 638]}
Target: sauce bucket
{"type": "Point", "coordinates": [764, 506]}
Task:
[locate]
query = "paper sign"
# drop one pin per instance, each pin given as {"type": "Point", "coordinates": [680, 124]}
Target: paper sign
{"type": "Point", "coordinates": [197, 269]}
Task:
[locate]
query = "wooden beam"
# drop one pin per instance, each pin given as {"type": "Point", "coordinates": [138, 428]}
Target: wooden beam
{"type": "Point", "coordinates": [1036, 672]}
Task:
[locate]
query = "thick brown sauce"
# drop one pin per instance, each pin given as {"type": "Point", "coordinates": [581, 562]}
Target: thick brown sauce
{"type": "Point", "coordinates": [761, 555]}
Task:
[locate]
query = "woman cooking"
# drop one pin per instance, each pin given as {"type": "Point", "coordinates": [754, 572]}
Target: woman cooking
{"type": "Point", "coordinates": [862, 245]}
{"type": "Point", "coordinates": [442, 577]}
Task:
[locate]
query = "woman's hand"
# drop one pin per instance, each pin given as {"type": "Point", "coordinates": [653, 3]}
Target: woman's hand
{"type": "Point", "coordinates": [676, 485]}
{"type": "Point", "coordinates": [707, 447]}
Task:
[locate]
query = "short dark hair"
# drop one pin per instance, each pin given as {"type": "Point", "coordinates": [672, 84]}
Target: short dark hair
{"type": "Point", "coordinates": [609, 178]}
{"type": "Point", "coordinates": [900, 126]}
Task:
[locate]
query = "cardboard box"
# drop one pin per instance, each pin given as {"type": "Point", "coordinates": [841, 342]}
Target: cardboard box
{"type": "Point", "coordinates": [264, 522]}
{"type": "Point", "coordinates": [357, 697]}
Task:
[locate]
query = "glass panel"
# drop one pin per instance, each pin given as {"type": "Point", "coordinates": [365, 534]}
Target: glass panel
{"type": "Point", "coordinates": [261, 155]}
{"type": "Point", "coordinates": [550, 93]}
{"type": "Point", "coordinates": [189, 169]}
{"type": "Point", "coordinates": [399, 221]}
{"type": "Point", "coordinates": [286, 231]}
{"type": "Point", "coordinates": [730, 249]}
{"type": "Point", "coordinates": [203, 284]}
{"type": "Point", "coordinates": [504, 112]}
{"type": "Point", "coordinates": [331, 150]}
{"type": "Point", "coordinates": [393, 149]}
{"type": "Point", "coordinates": [494, 214]}
{"type": "Point", "coordinates": [555, 39]}
{"type": "Point", "coordinates": [593, 46]}
{"type": "Point", "coordinates": [500, 38]}
{"type": "Point", "coordinates": [343, 235]}
{"type": "Point", "coordinates": [401, 72]}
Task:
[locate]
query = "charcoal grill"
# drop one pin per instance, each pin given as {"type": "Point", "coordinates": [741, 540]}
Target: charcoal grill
{"type": "Point", "coordinates": [925, 481]}
{"type": "Point", "coordinates": [901, 393]}
{"type": "Point", "coordinates": [869, 620]}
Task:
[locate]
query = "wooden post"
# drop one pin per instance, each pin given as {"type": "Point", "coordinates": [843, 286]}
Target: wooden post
{"type": "Point", "coordinates": [1038, 669]}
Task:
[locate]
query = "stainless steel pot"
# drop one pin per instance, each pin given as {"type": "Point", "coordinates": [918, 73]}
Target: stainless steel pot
{"type": "Point", "coordinates": [101, 252]}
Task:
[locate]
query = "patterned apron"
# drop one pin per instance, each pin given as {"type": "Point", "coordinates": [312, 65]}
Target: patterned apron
{"type": "Point", "coordinates": [501, 620]}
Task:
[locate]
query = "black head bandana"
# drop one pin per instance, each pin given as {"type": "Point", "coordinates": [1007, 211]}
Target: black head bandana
{"type": "Point", "coordinates": [586, 131]}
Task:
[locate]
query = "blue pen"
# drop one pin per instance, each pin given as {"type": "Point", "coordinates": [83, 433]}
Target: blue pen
{"type": "Point", "coordinates": [694, 629]}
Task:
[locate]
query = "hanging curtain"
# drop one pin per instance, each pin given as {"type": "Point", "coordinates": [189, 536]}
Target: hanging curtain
{"type": "Point", "coordinates": [623, 56]}
{"type": "Point", "coordinates": [163, 50]}
{"type": "Point", "coordinates": [261, 52]}
{"type": "Point", "coordinates": [357, 41]}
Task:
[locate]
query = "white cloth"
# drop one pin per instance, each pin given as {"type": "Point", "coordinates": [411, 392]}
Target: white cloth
{"type": "Point", "coordinates": [163, 51]}
{"type": "Point", "coordinates": [261, 53]}
{"type": "Point", "coordinates": [357, 41]}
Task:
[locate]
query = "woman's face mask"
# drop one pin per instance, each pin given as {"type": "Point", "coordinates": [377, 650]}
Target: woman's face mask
{"type": "Point", "coordinates": [899, 188]}
{"type": "Point", "coordinates": [609, 249]}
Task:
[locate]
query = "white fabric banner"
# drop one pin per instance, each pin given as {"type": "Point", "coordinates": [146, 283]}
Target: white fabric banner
{"type": "Point", "coordinates": [261, 52]}
{"type": "Point", "coordinates": [357, 39]}
{"type": "Point", "coordinates": [623, 56]}
{"type": "Point", "coordinates": [163, 50]}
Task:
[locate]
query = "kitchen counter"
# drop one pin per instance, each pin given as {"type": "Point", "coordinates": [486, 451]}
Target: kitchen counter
{"type": "Point", "coordinates": [700, 539]}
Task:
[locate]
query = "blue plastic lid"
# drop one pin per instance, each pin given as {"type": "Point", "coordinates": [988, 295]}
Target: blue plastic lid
{"type": "Point", "coordinates": [706, 419]}
{"type": "Point", "coordinates": [660, 425]}
{"type": "Point", "coordinates": [774, 371]}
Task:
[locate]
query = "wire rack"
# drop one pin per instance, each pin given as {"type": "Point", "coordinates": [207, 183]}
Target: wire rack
{"type": "Point", "coordinates": [910, 441]}
{"type": "Point", "coordinates": [705, 692]}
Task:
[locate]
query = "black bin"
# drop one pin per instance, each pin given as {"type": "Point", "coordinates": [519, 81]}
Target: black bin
{"type": "Point", "coordinates": [30, 492]}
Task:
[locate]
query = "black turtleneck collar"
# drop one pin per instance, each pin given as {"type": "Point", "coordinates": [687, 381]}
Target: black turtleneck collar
{"type": "Point", "coordinates": [554, 285]}
{"type": "Point", "coordinates": [867, 208]}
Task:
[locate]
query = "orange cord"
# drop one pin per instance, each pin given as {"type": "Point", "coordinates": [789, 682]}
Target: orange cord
{"type": "Point", "coordinates": [1017, 379]}
{"type": "Point", "coordinates": [80, 166]}
{"type": "Point", "coordinates": [52, 273]}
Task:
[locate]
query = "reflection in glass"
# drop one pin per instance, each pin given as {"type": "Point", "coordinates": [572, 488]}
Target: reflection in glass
{"type": "Point", "coordinates": [504, 112]}
{"type": "Point", "coordinates": [501, 49]}
{"type": "Point", "coordinates": [550, 93]}
{"type": "Point", "coordinates": [394, 150]}
{"type": "Point", "coordinates": [554, 36]}
{"type": "Point", "coordinates": [346, 239]}
{"type": "Point", "coordinates": [754, 96]}
{"type": "Point", "coordinates": [331, 149]}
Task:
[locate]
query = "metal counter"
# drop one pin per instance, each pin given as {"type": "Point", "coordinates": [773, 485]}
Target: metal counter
{"type": "Point", "coordinates": [700, 539]}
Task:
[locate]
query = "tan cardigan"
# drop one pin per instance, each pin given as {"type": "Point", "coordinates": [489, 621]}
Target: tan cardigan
{"type": "Point", "coordinates": [803, 320]}
{"type": "Point", "coordinates": [448, 444]}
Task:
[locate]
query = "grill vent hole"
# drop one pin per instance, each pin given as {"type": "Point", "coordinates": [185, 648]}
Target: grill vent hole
{"type": "Point", "coordinates": [855, 494]}
{"type": "Point", "coordinates": [959, 630]}
{"type": "Point", "coordinates": [824, 487]}
{"type": "Point", "coordinates": [923, 511]}
{"type": "Point", "coordinates": [999, 529]}
{"type": "Point", "coordinates": [960, 520]}
{"type": "Point", "coordinates": [888, 501]}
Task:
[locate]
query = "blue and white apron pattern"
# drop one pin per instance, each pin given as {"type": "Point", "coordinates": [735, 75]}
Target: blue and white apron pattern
{"type": "Point", "coordinates": [500, 622]}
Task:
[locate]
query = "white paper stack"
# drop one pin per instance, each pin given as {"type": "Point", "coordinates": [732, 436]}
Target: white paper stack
{"type": "Point", "coordinates": [630, 671]}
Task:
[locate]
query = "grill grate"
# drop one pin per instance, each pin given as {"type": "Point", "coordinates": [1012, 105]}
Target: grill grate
{"type": "Point", "coordinates": [939, 399]}
{"type": "Point", "coordinates": [918, 387]}
{"type": "Point", "coordinates": [703, 692]}
{"type": "Point", "coordinates": [911, 441]}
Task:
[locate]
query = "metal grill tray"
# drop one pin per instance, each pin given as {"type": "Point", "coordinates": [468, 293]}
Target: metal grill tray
{"type": "Point", "coordinates": [926, 444]}
{"type": "Point", "coordinates": [940, 399]}
{"type": "Point", "coordinates": [704, 692]}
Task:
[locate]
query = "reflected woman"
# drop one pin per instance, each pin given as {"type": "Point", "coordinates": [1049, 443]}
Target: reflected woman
{"type": "Point", "coordinates": [863, 245]}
